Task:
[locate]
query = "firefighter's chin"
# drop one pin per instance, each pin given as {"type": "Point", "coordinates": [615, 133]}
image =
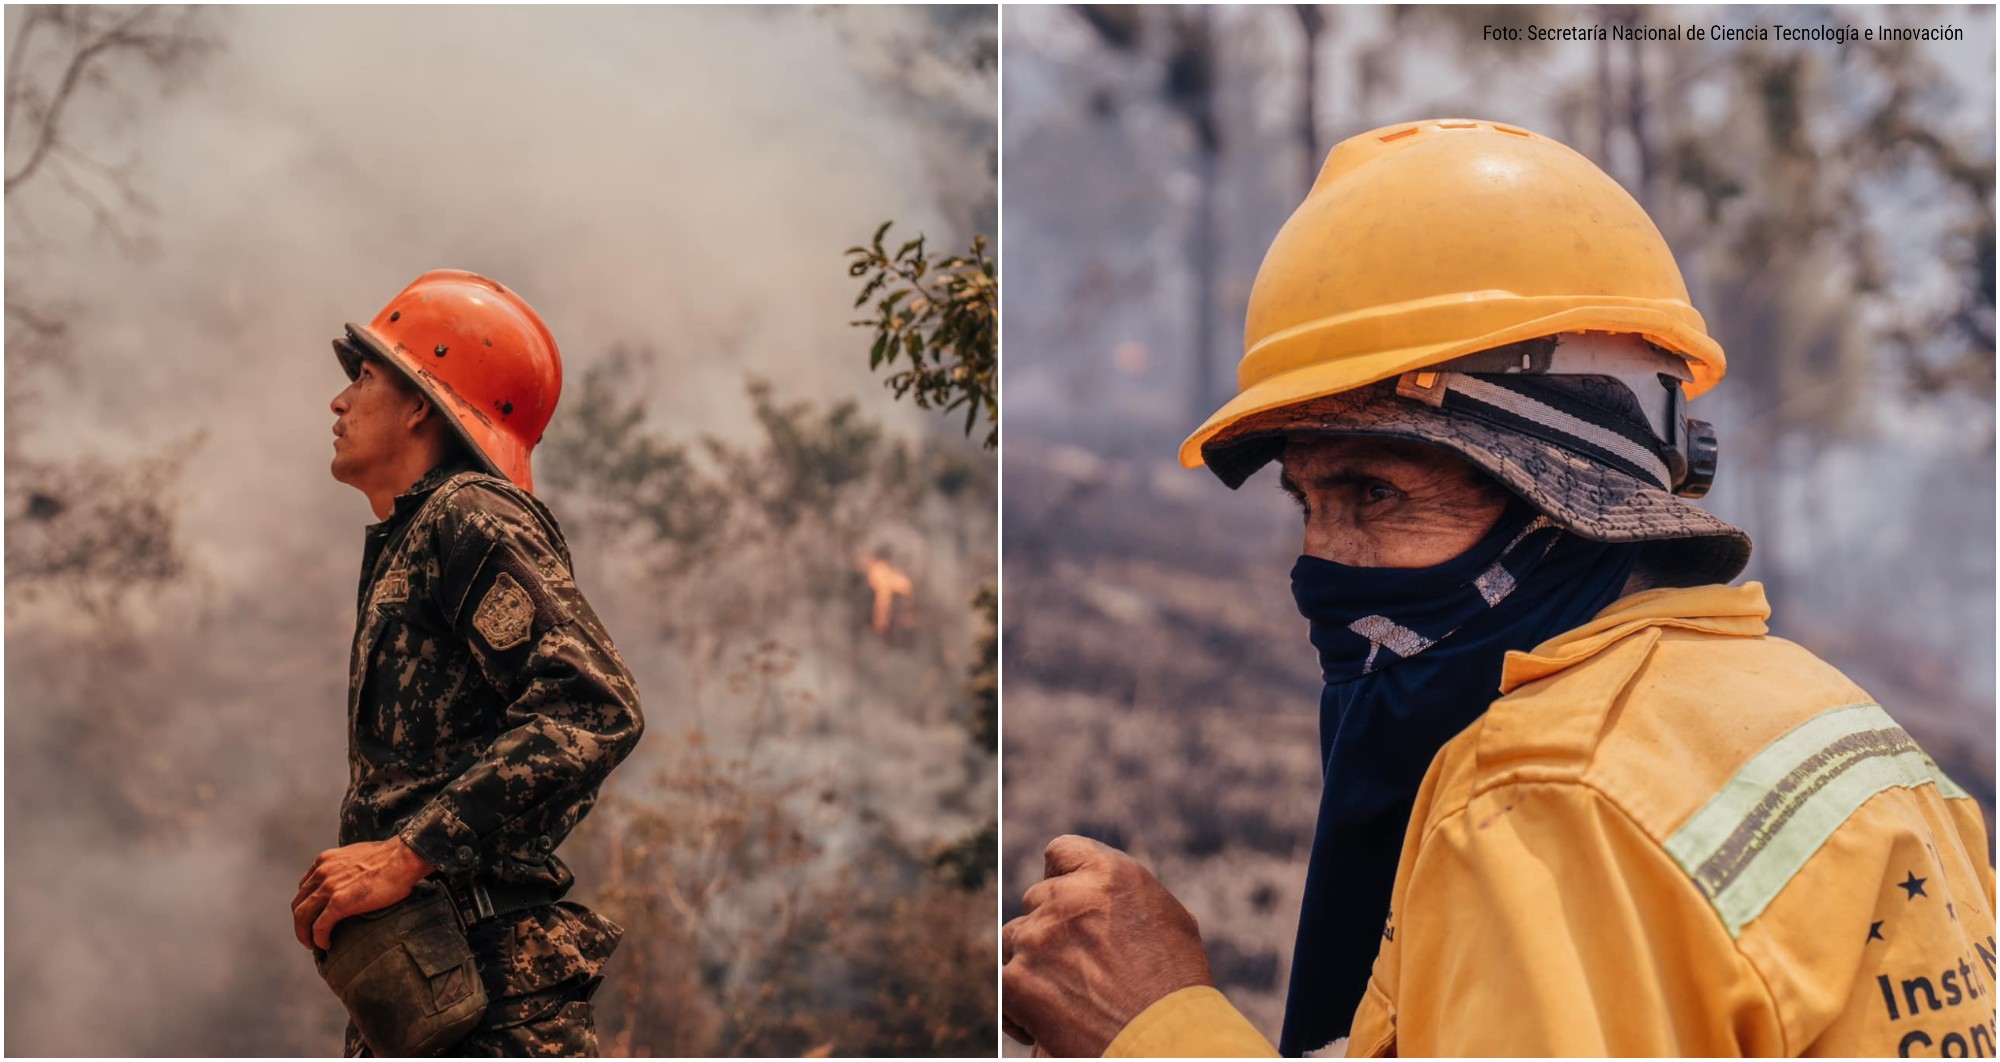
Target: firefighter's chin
{"type": "Point", "coordinates": [344, 466]}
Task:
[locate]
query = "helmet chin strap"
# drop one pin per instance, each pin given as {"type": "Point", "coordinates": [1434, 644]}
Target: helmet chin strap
{"type": "Point", "coordinates": [1654, 377]}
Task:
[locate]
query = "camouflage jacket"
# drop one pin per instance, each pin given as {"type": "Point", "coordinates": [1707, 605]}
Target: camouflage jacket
{"type": "Point", "coordinates": [486, 702]}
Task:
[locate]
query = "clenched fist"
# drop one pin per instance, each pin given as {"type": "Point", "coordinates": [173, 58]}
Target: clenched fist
{"type": "Point", "coordinates": [1100, 941]}
{"type": "Point", "coordinates": [350, 880]}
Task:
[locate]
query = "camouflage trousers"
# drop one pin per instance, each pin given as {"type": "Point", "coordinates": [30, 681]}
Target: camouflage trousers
{"type": "Point", "coordinates": [540, 968]}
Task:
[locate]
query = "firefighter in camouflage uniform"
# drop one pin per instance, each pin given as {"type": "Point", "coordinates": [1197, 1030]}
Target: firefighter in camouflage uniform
{"type": "Point", "coordinates": [486, 702]}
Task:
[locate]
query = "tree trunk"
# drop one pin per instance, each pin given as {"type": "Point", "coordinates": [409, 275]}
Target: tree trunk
{"type": "Point", "coordinates": [1201, 249]}
{"type": "Point", "coordinates": [1190, 89]}
{"type": "Point", "coordinates": [1310, 24]}
{"type": "Point", "coordinates": [1606, 100]}
{"type": "Point", "coordinates": [1635, 115]}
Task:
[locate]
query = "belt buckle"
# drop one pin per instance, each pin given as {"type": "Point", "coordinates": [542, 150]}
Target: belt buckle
{"type": "Point", "coordinates": [482, 901]}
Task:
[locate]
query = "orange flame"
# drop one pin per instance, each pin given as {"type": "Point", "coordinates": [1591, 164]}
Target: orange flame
{"type": "Point", "coordinates": [889, 583]}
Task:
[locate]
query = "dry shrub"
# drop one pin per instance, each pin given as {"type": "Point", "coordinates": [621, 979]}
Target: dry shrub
{"type": "Point", "coordinates": [776, 854]}
{"type": "Point", "coordinates": [743, 936]}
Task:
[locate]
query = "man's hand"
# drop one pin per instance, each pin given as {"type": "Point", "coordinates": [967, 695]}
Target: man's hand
{"type": "Point", "coordinates": [1100, 941]}
{"type": "Point", "coordinates": [350, 880]}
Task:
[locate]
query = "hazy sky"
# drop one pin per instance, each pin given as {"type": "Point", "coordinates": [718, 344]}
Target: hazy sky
{"type": "Point", "coordinates": [679, 179]}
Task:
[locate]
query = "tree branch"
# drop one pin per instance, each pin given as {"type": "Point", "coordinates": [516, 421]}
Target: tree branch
{"type": "Point", "coordinates": [105, 216]}
{"type": "Point", "coordinates": [17, 84]}
{"type": "Point", "coordinates": [79, 63]}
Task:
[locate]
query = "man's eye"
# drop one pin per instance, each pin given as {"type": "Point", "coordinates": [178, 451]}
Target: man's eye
{"type": "Point", "coordinates": [1298, 496]}
{"type": "Point", "coordinates": [1375, 490]}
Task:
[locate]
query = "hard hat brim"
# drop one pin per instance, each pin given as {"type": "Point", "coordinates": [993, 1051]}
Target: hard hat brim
{"type": "Point", "coordinates": [1317, 379]}
{"type": "Point", "coordinates": [499, 453]}
{"type": "Point", "coordinates": [1590, 499]}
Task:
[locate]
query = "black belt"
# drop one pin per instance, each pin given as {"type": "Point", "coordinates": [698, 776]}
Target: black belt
{"type": "Point", "coordinates": [478, 900]}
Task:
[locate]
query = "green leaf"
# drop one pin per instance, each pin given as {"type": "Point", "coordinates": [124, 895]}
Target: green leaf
{"type": "Point", "coordinates": [943, 306]}
{"type": "Point", "coordinates": [874, 285]}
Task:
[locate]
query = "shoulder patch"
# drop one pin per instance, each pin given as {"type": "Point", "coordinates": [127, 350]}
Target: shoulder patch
{"type": "Point", "coordinates": [505, 615]}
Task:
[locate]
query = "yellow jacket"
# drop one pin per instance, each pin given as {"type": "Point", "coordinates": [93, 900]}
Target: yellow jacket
{"type": "Point", "coordinates": [1672, 835]}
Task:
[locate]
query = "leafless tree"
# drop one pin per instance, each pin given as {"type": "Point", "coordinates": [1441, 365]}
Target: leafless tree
{"type": "Point", "coordinates": [1188, 60]}
{"type": "Point", "coordinates": [92, 526]}
{"type": "Point", "coordinates": [61, 54]}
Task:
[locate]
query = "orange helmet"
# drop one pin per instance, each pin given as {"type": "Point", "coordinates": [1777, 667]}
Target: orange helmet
{"type": "Point", "coordinates": [481, 355]}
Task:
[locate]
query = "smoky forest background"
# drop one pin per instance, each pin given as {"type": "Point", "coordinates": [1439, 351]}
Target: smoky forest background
{"type": "Point", "coordinates": [1830, 205]}
{"type": "Point", "coordinates": [798, 566]}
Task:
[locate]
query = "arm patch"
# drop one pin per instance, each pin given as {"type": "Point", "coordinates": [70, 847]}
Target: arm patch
{"type": "Point", "coordinates": [493, 587]}
{"type": "Point", "coordinates": [506, 615]}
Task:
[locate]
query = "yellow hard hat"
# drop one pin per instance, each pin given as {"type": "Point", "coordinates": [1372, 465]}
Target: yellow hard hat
{"type": "Point", "coordinates": [1425, 241]}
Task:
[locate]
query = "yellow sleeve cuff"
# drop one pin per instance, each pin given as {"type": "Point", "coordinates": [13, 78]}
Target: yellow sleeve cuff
{"type": "Point", "coordinates": [1194, 1022]}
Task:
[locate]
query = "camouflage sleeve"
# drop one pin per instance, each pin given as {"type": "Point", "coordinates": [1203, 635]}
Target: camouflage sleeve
{"type": "Point", "coordinates": [572, 710]}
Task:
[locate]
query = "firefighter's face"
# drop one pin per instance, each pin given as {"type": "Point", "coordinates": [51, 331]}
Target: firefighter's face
{"type": "Point", "coordinates": [1387, 503]}
{"type": "Point", "coordinates": [376, 418]}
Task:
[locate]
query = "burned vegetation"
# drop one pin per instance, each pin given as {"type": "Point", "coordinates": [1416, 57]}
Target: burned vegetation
{"type": "Point", "coordinates": [796, 852]}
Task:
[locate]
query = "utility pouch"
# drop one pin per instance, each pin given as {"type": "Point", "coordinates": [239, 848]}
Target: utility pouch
{"type": "Point", "coordinates": [406, 975]}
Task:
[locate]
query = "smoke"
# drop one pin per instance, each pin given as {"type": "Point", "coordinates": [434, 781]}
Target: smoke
{"type": "Point", "coordinates": [675, 181]}
{"type": "Point", "coordinates": [682, 178]}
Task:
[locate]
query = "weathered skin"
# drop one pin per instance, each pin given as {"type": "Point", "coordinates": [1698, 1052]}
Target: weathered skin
{"type": "Point", "coordinates": [487, 704]}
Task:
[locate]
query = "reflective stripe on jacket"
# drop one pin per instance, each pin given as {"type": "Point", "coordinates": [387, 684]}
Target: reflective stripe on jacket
{"type": "Point", "coordinates": [1672, 835]}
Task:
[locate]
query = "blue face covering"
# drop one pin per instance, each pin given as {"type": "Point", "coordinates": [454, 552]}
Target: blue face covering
{"type": "Point", "coordinates": [1410, 657]}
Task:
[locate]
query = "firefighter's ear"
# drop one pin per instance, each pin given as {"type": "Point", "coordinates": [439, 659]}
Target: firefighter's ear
{"type": "Point", "coordinates": [418, 407]}
{"type": "Point", "coordinates": [422, 417]}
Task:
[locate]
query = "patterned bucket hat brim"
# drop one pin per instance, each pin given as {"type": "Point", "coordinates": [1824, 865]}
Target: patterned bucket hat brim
{"type": "Point", "coordinates": [1614, 492]}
